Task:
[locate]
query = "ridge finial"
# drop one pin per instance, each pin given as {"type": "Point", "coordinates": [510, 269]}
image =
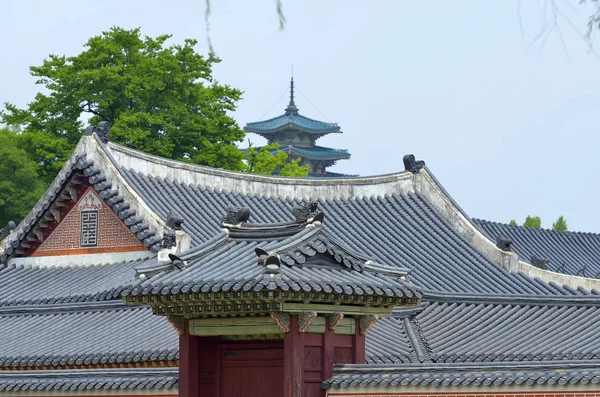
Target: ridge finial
{"type": "Point", "coordinates": [291, 108]}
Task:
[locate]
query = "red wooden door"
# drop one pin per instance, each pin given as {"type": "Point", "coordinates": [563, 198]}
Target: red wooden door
{"type": "Point", "coordinates": [251, 371]}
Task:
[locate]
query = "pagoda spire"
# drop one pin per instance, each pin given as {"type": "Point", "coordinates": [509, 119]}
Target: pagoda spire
{"type": "Point", "coordinates": [291, 108]}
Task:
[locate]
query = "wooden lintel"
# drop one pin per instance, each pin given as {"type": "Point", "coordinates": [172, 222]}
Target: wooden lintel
{"type": "Point", "coordinates": [234, 326]}
{"type": "Point", "coordinates": [326, 309]}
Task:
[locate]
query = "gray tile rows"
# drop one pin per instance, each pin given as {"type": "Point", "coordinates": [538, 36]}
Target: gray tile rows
{"type": "Point", "coordinates": [435, 375]}
{"type": "Point", "coordinates": [389, 343]}
{"type": "Point", "coordinates": [403, 231]}
{"type": "Point", "coordinates": [462, 332]}
{"type": "Point", "coordinates": [27, 285]}
{"type": "Point", "coordinates": [572, 253]}
{"type": "Point", "coordinates": [86, 380]}
{"type": "Point", "coordinates": [84, 337]}
{"type": "Point", "coordinates": [233, 265]}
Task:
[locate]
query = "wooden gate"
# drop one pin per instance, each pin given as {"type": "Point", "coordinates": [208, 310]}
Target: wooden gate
{"type": "Point", "coordinates": [251, 370]}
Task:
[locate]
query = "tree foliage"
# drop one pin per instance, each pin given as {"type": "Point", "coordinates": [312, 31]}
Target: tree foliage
{"type": "Point", "coordinates": [513, 222]}
{"type": "Point", "coordinates": [560, 224]}
{"type": "Point", "coordinates": [161, 99]}
{"type": "Point", "coordinates": [268, 158]}
{"type": "Point", "coordinates": [20, 186]}
{"type": "Point", "coordinates": [533, 221]}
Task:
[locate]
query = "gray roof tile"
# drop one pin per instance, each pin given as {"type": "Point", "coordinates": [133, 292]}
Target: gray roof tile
{"type": "Point", "coordinates": [88, 379]}
{"type": "Point", "coordinates": [26, 284]}
{"type": "Point", "coordinates": [463, 374]}
{"type": "Point", "coordinates": [468, 332]}
{"type": "Point", "coordinates": [573, 253]}
{"type": "Point", "coordinates": [231, 264]}
{"type": "Point", "coordinates": [87, 335]}
{"type": "Point", "coordinates": [398, 230]}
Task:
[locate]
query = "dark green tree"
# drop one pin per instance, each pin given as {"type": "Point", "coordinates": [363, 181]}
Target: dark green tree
{"type": "Point", "coordinates": [560, 224]}
{"type": "Point", "coordinates": [20, 186]}
{"type": "Point", "coordinates": [161, 99]}
{"type": "Point", "coordinates": [533, 221]}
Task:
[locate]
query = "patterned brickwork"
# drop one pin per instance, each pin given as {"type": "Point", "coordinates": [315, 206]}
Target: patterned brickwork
{"type": "Point", "coordinates": [113, 234]}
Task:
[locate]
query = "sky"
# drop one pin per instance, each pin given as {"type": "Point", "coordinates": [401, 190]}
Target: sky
{"type": "Point", "coordinates": [506, 119]}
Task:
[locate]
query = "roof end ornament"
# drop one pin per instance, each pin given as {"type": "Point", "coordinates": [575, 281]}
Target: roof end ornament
{"type": "Point", "coordinates": [102, 131]}
{"type": "Point", "coordinates": [412, 165]}
{"type": "Point", "coordinates": [235, 216]}
{"type": "Point", "coordinates": [291, 108]}
{"type": "Point", "coordinates": [503, 242]}
{"type": "Point", "coordinates": [7, 230]}
{"type": "Point", "coordinates": [305, 211]}
{"type": "Point", "coordinates": [539, 262]}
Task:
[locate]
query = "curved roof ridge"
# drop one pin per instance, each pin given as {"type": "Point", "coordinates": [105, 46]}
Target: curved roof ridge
{"type": "Point", "coordinates": [265, 186]}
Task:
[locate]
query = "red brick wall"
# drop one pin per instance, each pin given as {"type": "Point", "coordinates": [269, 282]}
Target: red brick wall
{"type": "Point", "coordinates": [554, 393]}
{"type": "Point", "coordinates": [113, 234]}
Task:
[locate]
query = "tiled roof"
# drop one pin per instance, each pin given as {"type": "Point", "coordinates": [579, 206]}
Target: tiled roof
{"type": "Point", "coordinates": [92, 334]}
{"type": "Point", "coordinates": [291, 120]}
{"type": "Point", "coordinates": [571, 253]}
{"type": "Point", "coordinates": [462, 332]}
{"type": "Point", "coordinates": [232, 264]}
{"type": "Point", "coordinates": [317, 152]}
{"type": "Point", "coordinates": [398, 230]}
{"type": "Point", "coordinates": [388, 341]}
{"type": "Point", "coordinates": [32, 285]}
{"type": "Point", "coordinates": [85, 380]}
{"type": "Point", "coordinates": [448, 375]}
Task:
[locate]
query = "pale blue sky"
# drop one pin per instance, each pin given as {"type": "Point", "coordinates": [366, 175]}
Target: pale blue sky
{"type": "Point", "coordinates": [510, 128]}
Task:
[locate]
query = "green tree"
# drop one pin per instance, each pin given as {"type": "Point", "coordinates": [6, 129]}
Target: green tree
{"type": "Point", "coordinates": [293, 168]}
{"type": "Point", "coordinates": [533, 221]}
{"type": "Point", "coordinates": [268, 158]}
{"type": "Point", "coordinates": [513, 223]}
{"type": "Point", "coordinates": [20, 186]}
{"type": "Point", "coordinates": [161, 99]}
{"type": "Point", "coordinates": [560, 224]}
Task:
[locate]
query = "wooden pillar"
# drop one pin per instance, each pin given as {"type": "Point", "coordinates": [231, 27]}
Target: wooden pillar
{"type": "Point", "coordinates": [358, 345]}
{"type": "Point", "coordinates": [293, 361]}
{"type": "Point", "coordinates": [188, 364]}
{"type": "Point", "coordinates": [328, 351]}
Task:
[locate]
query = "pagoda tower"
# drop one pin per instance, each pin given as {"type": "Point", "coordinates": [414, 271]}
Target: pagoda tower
{"type": "Point", "coordinates": [297, 136]}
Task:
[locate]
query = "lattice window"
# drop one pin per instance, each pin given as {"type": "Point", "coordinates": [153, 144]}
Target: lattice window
{"type": "Point", "coordinates": [89, 229]}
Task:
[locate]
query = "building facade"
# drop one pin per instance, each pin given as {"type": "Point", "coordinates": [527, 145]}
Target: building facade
{"type": "Point", "coordinates": [139, 275]}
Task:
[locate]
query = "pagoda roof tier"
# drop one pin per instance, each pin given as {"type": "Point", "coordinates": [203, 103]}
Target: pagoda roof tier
{"type": "Point", "coordinates": [292, 120]}
{"type": "Point", "coordinates": [317, 152]}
